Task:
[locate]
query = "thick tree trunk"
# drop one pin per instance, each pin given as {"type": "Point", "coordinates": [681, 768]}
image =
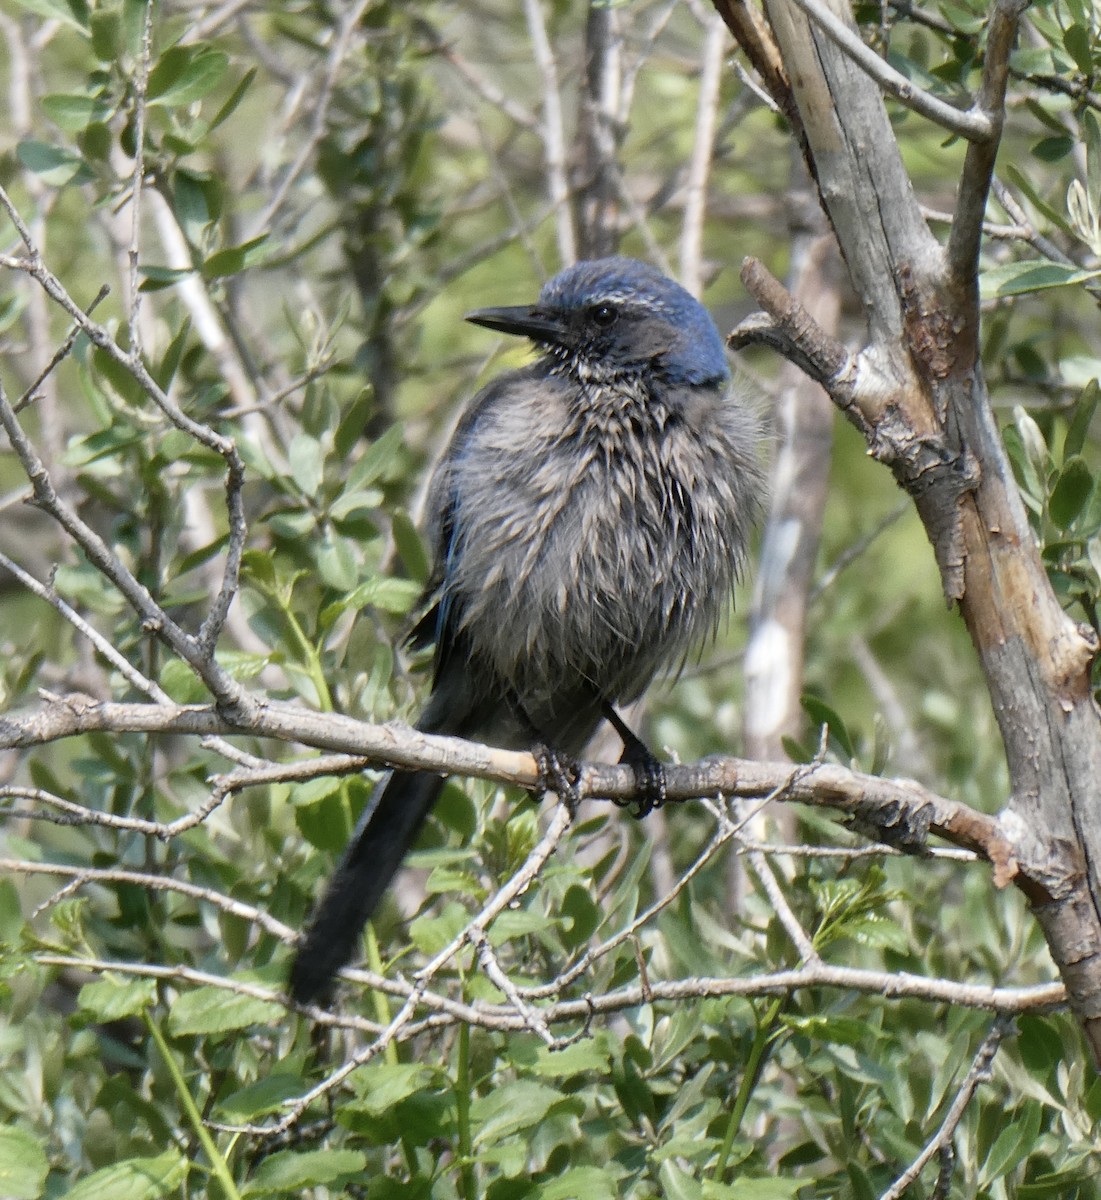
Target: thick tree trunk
{"type": "Point", "coordinates": [917, 393]}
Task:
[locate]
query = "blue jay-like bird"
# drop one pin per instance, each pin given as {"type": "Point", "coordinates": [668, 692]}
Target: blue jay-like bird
{"type": "Point", "coordinates": [588, 522]}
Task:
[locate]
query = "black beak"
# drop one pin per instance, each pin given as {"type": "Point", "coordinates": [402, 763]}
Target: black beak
{"type": "Point", "coordinates": [525, 321]}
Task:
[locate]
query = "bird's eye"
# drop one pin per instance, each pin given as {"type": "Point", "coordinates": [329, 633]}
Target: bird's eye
{"type": "Point", "coordinates": [603, 315]}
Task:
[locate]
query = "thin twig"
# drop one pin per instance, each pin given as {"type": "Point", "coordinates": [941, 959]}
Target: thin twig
{"type": "Point", "coordinates": [965, 236]}
{"type": "Point", "coordinates": [490, 964]}
{"type": "Point", "coordinates": [31, 392]}
{"type": "Point", "coordinates": [155, 883]}
{"type": "Point", "coordinates": [1029, 234]}
{"type": "Point", "coordinates": [795, 931]}
{"type": "Point", "coordinates": [853, 551]}
{"type": "Point", "coordinates": [554, 132]}
{"type": "Point", "coordinates": [973, 124]}
{"type": "Point", "coordinates": [137, 186]}
{"type": "Point", "coordinates": [124, 667]}
{"type": "Point", "coordinates": [641, 57]}
{"type": "Point", "coordinates": [512, 890]}
{"type": "Point", "coordinates": [320, 108]}
{"type": "Point", "coordinates": [567, 977]}
{"type": "Point", "coordinates": [980, 1072]}
{"type": "Point", "coordinates": [153, 616]}
{"type": "Point", "coordinates": [703, 152]}
{"type": "Point", "coordinates": [484, 88]}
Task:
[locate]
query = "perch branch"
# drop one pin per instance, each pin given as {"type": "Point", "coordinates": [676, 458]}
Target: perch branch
{"type": "Point", "coordinates": [901, 811]}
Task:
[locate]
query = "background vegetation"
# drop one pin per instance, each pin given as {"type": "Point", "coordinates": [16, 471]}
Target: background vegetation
{"type": "Point", "coordinates": [322, 192]}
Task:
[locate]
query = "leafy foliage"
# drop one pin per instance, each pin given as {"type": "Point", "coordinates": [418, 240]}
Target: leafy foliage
{"type": "Point", "coordinates": [327, 189]}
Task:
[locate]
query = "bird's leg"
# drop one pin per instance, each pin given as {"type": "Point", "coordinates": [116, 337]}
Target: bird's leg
{"type": "Point", "coordinates": [558, 772]}
{"type": "Point", "coordinates": [649, 770]}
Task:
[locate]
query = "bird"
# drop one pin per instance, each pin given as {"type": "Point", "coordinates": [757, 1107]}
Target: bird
{"type": "Point", "coordinates": [588, 522]}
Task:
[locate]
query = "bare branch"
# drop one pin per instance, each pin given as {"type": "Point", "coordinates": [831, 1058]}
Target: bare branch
{"type": "Point", "coordinates": [137, 185]}
{"type": "Point", "coordinates": [156, 621]}
{"type": "Point", "coordinates": [553, 130]}
{"type": "Point", "coordinates": [212, 21]}
{"type": "Point", "coordinates": [771, 886]}
{"type": "Point", "coordinates": [341, 46]}
{"type": "Point", "coordinates": [981, 1072]}
{"type": "Point", "coordinates": [703, 149]}
{"type": "Point", "coordinates": [156, 883]}
{"type": "Point", "coordinates": [904, 812]}
{"type": "Point", "coordinates": [125, 668]}
{"type": "Point", "coordinates": [965, 237]}
{"type": "Point", "coordinates": [745, 22]}
{"type": "Point", "coordinates": [32, 391]}
{"type": "Point", "coordinates": [483, 87]}
{"type": "Point", "coordinates": [1016, 211]}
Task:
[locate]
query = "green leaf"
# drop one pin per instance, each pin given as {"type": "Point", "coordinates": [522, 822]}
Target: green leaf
{"type": "Point", "coordinates": [753, 1189]}
{"type": "Point", "coordinates": [112, 999]}
{"type": "Point", "coordinates": [583, 913]}
{"type": "Point", "coordinates": [1012, 1145]}
{"type": "Point", "coordinates": [351, 503]}
{"type": "Point", "coordinates": [1022, 181]}
{"type": "Point", "coordinates": [217, 1010]}
{"type": "Point", "coordinates": [133, 1179]}
{"type": "Point", "coordinates": [1076, 40]}
{"type": "Point", "coordinates": [677, 1184]}
{"type": "Point", "coordinates": [822, 714]}
{"type": "Point", "coordinates": [383, 1085]}
{"type": "Point", "coordinates": [235, 98]}
{"type": "Point", "coordinates": [307, 463]}
{"type": "Point", "coordinates": [265, 1096]}
{"type": "Point", "coordinates": [1082, 419]}
{"type": "Point", "coordinates": [105, 28]}
{"type": "Point", "coordinates": [23, 1165]}
{"type": "Point", "coordinates": [73, 13]}
{"type": "Point", "coordinates": [1071, 493]}
{"type": "Point", "coordinates": [1019, 278]}
{"type": "Point", "coordinates": [235, 259]}
{"type": "Point", "coordinates": [1092, 127]}
{"type": "Point", "coordinates": [590, 1055]}
{"type": "Point", "coordinates": [395, 596]}
{"type": "Point", "coordinates": [409, 546]}
{"type": "Point", "coordinates": [845, 1031]}
{"type": "Point", "coordinates": [336, 562]}
{"type": "Point", "coordinates": [521, 1104]}
{"type": "Point", "coordinates": [593, 1183]}
{"type": "Point", "coordinates": [292, 1171]}
{"type": "Point", "coordinates": [52, 164]}
{"type": "Point", "coordinates": [155, 279]}
{"type": "Point", "coordinates": [379, 459]}
{"type": "Point", "coordinates": [189, 203]}
{"type": "Point", "coordinates": [322, 821]}
{"type": "Point", "coordinates": [1053, 149]}
{"type": "Point", "coordinates": [73, 112]}
{"type": "Point", "coordinates": [184, 74]}
{"type": "Point", "coordinates": [165, 370]}
{"type": "Point", "coordinates": [1040, 1043]}
{"type": "Point", "coordinates": [1034, 445]}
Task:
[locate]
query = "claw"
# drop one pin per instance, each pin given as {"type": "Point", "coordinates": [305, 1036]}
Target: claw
{"type": "Point", "coordinates": [649, 772]}
{"type": "Point", "coordinates": [649, 780]}
{"type": "Point", "coordinates": [558, 773]}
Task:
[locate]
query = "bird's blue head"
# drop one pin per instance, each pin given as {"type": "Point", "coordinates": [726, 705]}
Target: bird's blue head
{"type": "Point", "coordinates": [615, 317]}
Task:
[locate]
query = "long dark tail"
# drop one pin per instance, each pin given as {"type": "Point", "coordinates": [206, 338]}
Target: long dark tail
{"type": "Point", "coordinates": [397, 809]}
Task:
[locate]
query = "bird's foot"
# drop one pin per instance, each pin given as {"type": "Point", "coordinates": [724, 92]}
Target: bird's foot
{"type": "Point", "coordinates": [558, 773]}
{"type": "Point", "coordinates": [649, 771]}
{"type": "Point", "coordinates": [650, 786]}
